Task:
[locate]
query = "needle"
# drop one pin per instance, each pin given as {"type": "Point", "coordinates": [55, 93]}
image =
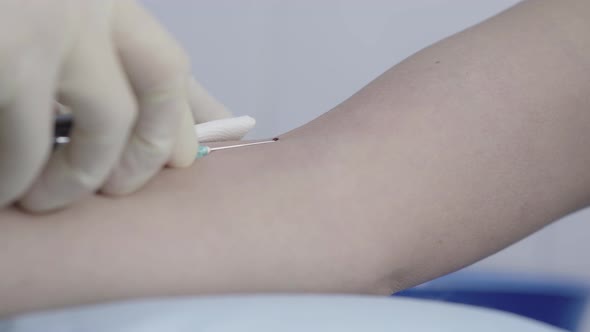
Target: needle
{"type": "Point", "coordinates": [205, 150]}
{"type": "Point", "coordinates": [63, 126]}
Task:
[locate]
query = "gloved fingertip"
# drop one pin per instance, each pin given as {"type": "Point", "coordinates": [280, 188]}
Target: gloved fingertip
{"type": "Point", "coordinates": [57, 186]}
{"type": "Point", "coordinates": [27, 207]}
{"type": "Point", "coordinates": [115, 187]}
{"type": "Point", "coordinates": [187, 145]}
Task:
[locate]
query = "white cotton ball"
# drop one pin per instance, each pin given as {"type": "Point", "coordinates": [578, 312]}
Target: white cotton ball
{"type": "Point", "coordinates": [225, 129]}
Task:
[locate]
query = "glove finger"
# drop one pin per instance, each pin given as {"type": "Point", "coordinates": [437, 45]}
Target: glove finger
{"type": "Point", "coordinates": [157, 69]}
{"type": "Point", "coordinates": [26, 96]}
{"type": "Point", "coordinates": [183, 153]}
{"type": "Point", "coordinates": [93, 86]}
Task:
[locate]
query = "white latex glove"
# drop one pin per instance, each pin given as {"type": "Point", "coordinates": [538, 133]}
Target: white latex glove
{"type": "Point", "coordinates": [127, 83]}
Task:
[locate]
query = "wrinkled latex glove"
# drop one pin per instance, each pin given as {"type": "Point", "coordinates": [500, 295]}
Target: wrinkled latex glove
{"type": "Point", "coordinates": [127, 83]}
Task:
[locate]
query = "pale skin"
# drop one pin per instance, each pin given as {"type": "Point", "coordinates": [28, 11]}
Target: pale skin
{"type": "Point", "coordinates": [450, 156]}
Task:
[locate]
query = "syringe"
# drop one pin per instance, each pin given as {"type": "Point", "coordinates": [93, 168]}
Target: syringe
{"type": "Point", "coordinates": [205, 150]}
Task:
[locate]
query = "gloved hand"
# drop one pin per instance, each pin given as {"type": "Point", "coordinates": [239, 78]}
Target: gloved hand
{"type": "Point", "coordinates": [127, 83]}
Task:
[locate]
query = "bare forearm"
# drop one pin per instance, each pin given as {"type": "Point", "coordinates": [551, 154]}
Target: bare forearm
{"type": "Point", "coordinates": [244, 221]}
{"type": "Point", "coordinates": [450, 156]}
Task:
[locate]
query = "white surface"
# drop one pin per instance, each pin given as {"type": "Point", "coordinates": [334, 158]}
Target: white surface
{"type": "Point", "coordinates": [280, 313]}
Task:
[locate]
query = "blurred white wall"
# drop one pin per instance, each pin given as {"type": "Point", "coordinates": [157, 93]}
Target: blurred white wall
{"type": "Point", "coordinates": [286, 62]}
